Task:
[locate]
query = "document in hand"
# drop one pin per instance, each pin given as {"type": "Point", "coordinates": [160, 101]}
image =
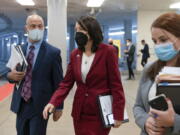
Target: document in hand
{"type": "Point", "coordinates": [172, 91]}
{"type": "Point", "coordinates": [17, 58]}
{"type": "Point", "coordinates": [17, 61]}
{"type": "Point", "coordinates": [105, 105]}
{"type": "Point", "coordinates": [170, 70]}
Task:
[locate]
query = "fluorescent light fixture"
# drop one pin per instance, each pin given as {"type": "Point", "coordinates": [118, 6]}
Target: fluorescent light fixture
{"type": "Point", "coordinates": [115, 28]}
{"type": "Point", "coordinates": [94, 3]}
{"type": "Point", "coordinates": [8, 44]}
{"type": "Point", "coordinates": [116, 33]}
{"type": "Point", "coordinates": [15, 36]}
{"type": "Point", "coordinates": [25, 34]}
{"type": "Point", "coordinates": [15, 43]}
{"type": "Point", "coordinates": [120, 33]}
{"type": "Point", "coordinates": [134, 31]}
{"type": "Point", "coordinates": [175, 5]}
{"type": "Point", "coordinates": [26, 2]}
{"type": "Point", "coordinates": [67, 38]}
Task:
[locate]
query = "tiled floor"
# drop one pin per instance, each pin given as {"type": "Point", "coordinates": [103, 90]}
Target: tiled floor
{"type": "Point", "coordinates": [64, 126]}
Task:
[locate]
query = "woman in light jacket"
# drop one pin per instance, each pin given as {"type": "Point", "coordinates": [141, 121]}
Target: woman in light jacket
{"type": "Point", "coordinates": [165, 32]}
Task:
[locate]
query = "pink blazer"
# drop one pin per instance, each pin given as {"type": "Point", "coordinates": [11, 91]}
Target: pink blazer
{"type": "Point", "coordinates": [103, 78]}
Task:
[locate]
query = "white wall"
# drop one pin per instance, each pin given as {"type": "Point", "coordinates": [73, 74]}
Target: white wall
{"type": "Point", "coordinates": [57, 27]}
{"type": "Point", "coordinates": [144, 21]}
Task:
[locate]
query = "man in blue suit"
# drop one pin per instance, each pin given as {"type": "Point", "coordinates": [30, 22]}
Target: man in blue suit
{"type": "Point", "coordinates": [145, 53]}
{"type": "Point", "coordinates": [38, 83]}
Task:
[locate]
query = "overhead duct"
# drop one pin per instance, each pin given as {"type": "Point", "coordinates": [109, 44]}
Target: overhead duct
{"type": "Point", "coordinates": [31, 11]}
{"type": "Point", "coordinates": [94, 12]}
{"type": "Point", "coordinates": [4, 19]}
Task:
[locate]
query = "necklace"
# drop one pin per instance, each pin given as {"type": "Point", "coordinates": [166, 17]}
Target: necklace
{"type": "Point", "coordinates": [86, 60]}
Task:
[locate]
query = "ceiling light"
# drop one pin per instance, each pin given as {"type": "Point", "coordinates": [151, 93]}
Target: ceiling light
{"type": "Point", "coordinates": [94, 3]}
{"type": "Point", "coordinates": [67, 38]}
{"type": "Point", "coordinates": [134, 31]}
{"type": "Point", "coordinates": [26, 2]}
{"type": "Point", "coordinates": [175, 5]}
{"type": "Point", "coordinates": [25, 34]}
{"type": "Point", "coordinates": [116, 33]}
{"type": "Point", "coordinates": [15, 36]}
{"type": "Point", "coordinates": [115, 29]}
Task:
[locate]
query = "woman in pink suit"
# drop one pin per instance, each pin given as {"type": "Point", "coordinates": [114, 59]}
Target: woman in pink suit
{"type": "Point", "coordinates": [94, 68]}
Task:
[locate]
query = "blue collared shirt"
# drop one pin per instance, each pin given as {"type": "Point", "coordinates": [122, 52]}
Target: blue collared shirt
{"type": "Point", "coordinates": [37, 46]}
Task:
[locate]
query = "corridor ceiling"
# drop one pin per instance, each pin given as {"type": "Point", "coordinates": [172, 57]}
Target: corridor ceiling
{"type": "Point", "coordinates": [112, 12]}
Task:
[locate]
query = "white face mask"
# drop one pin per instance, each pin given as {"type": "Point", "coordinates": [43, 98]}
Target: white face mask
{"type": "Point", "coordinates": [128, 44]}
{"type": "Point", "coordinates": [35, 34]}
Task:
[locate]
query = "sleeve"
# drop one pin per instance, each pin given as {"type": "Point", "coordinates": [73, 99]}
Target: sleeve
{"type": "Point", "coordinates": [144, 49]}
{"type": "Point", "coordinates": [57, 74]}
{"type": "Point", "coordinates": [64, 87]}
{"type": "Point", "coordinates": [115, 84]}
{"type": "Point", "coordinates": [131, 51]}
{"type": "Point", "coordinates": [176, 127]}
{"type": "Point", "coordinates": [140, 114]}
{"type": "Point", "coordinates": [6, 76]}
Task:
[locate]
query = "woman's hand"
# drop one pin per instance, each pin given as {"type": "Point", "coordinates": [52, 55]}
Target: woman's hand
{"type": "Point", "coordinates": [165, 118]}
{"type": "Point", "coordinates": [117, 123]}
{"type": "Point", "coordinates": [151, 127]}
{"type": "Point", "coordinates": [49, 108]}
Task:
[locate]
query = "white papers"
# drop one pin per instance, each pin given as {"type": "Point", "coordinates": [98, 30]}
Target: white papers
{"type": "Point", "coordinates": [105, 103]}
{"type": "Point", "coordinates": [106, 106]}
{"type": "Point", "coordinates": [126, 118]}
{"type": "Point", "coordinates": [110, 118]}
{"type": "Point", "coordinates": [17, 57]}
{"type": "Point", "coordinates": [170, 70]}
{"type": "Point", "coordinates": [14, 59]}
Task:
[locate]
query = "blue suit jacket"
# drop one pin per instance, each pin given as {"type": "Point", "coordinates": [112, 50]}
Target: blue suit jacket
{"type": "Point", "coordinates": [46, 76]}
{"type": "Point", "coordinates": [145, 52]}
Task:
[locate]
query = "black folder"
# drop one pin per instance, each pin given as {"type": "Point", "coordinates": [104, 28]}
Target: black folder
{"type": "Point", "coordinates": [105, 106]}
{"type": "Point", "coordinates": [172, 91]}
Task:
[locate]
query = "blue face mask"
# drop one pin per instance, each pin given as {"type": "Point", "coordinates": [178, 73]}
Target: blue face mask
{"type": "Point", "coordinates": [165, 52]}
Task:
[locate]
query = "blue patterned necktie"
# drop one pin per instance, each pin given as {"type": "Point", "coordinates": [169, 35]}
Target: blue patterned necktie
{"type": "Point", "coordinates": [26, 88]}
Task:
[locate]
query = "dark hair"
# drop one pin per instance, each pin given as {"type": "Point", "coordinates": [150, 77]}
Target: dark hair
{"type": "Point", "coordinates": [143, 41]}
{"type": "Point", "coordinates": [169, 22]}
{"type": "Point", "coordinates": [129, 40]}
{"type": "Point", "coordinates": [93, 28]}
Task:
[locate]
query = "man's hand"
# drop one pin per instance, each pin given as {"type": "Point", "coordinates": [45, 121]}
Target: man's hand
{"type": "Point", "coordinates": [117, 123]}
{"type": "Point", "coordinates": [57, 114]}
{"type": "Point", "coordinates": [125, 51]}
{"type": "Point", "coordinates": [15, 75]}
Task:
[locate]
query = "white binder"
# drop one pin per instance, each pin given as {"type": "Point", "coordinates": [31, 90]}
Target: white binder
{"type": "Point", "coordinates": [105, 105]}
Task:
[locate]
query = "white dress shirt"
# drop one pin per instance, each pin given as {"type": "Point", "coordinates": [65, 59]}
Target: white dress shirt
{"type": "Point", "coordinates": [86, 65]}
